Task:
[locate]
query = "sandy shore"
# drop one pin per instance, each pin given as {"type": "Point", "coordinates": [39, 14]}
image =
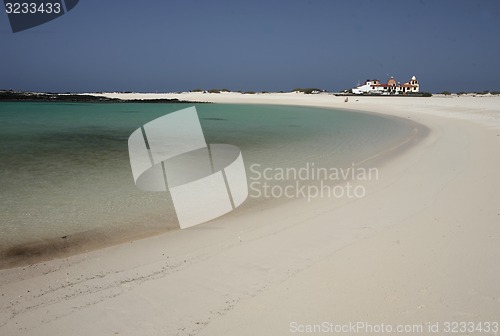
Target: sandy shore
{"type": "Point", "coordinates": [422, 247]}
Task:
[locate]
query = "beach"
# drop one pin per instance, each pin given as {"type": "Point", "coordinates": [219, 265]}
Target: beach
{"type": "Point", "coordinates": [420, 249]}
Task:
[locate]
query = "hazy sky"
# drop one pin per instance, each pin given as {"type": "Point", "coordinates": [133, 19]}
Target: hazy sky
{"type": "Point", "coordinates": [164, 45]}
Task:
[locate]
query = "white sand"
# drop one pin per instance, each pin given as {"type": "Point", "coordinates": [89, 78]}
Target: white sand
{"type": "Point", "coordinates": [423, 246]}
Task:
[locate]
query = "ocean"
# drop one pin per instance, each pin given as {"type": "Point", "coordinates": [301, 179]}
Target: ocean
{"type": "Point", "coordinates": [66, 182]}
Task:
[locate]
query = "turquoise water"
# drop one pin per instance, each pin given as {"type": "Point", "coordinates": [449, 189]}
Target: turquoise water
{"type": "Point", "coordinates": [65, 170]}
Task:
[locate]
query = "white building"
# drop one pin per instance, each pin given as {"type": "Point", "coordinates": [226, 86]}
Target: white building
{"type": "Point", "coordinates": [373, 86]}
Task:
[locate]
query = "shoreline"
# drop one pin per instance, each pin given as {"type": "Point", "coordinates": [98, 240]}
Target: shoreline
{"type": "Point", "coordinates": [417, 249]}
{"type": "Point", "coordinates": [45, 250]}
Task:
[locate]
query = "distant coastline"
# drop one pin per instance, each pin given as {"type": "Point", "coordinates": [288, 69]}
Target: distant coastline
{"type": "Point", "coordinates": [19, 96]}
{"type": "Point", "coordinates": [202, 96]}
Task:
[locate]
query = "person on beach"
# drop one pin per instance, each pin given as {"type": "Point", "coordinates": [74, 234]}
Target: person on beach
{"type": "Point", "coordinates": [346, 99]}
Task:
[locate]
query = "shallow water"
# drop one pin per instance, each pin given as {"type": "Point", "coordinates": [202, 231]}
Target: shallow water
{"type": "Point", "coordinates": [65, 169]}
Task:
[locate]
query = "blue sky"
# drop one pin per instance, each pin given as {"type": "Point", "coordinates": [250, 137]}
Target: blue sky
{"type": "Point", "coordinates": [162, 45]}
